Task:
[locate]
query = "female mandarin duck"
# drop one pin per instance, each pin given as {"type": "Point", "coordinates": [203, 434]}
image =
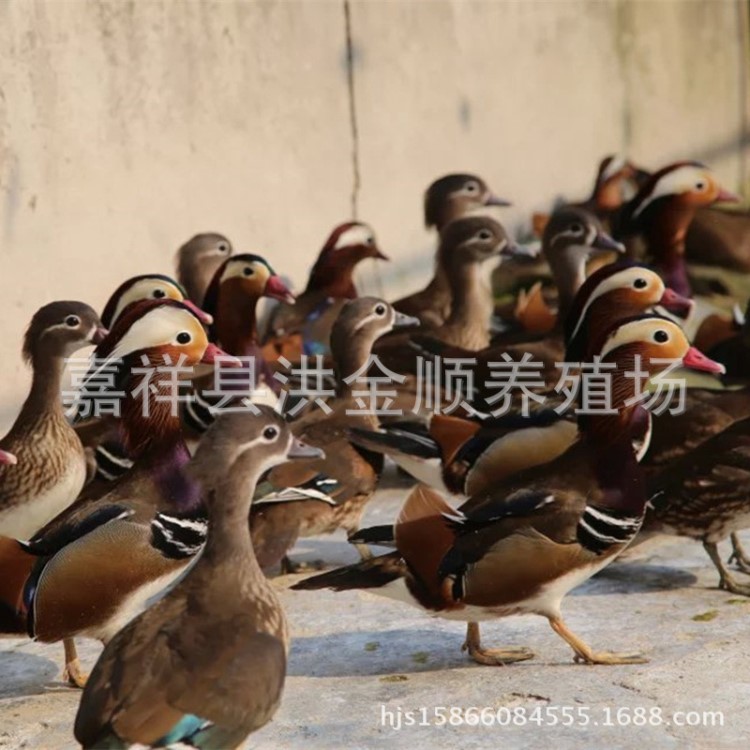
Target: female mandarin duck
{"type": "Point", "coordinates": [306, 327]}
{"type": "Point", "coordinates": [53, 469]}
{"type": "Point", "coordinates": [94, 567]}
{"type": "Point", "coordinates": [522, 545]}
{"type": "Point", "coordinates": [447, 199]}
{"type": "Point", "coordinates": [466, 245]}
{"type": "Point", "coordinates": [204, 666]}
{"type": "Point", "coordinates": [279, 518]}
{"type": "Point", "coordinates": [197, 261]}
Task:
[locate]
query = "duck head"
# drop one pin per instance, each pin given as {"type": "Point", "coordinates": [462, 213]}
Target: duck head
{"type": "Point", "coordinates": [571, 237]}
{"type": "Point", "coordinates": [614, 178]}
{"type": "Point", "coordinates": [60, 329]}
{"type": "Point", "coordinates": [233, 296]}
{"type": "Point", "coordinates": [198, 260]}
{"type": "Point", "coordinates": [456, 195]}
{"type": "Point", "coordinates": [614, 292]}
{"type": "Point", "coordinates": [473, 240]}
{"type": "Point", "coordinates": [663, 209]}
{"type": "Point", "coordinates": [243, 446]}
{"type": "Point", "coordinates": [347, 245]}
{"type": "Point", "coordinates": [144, 287]}
{"type": "Point", "coordinates": [152, 334]}
{"type": "Point", "coordinates": [359, 324]}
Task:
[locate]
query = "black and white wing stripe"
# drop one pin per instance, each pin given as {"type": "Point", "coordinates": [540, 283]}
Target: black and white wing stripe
{"type": "Point", "coordinates": [178, 538]}
{"type": "Point", "coordinates": [112, 461]}
{"type": "Point", "coordinates": [601, 528]}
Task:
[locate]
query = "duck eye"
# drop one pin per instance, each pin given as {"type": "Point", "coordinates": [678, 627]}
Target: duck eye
{"type": "Point", "coordinates": [380, 310]}
{"type": "Point", "coordinates": [370, 240]}
{"type": "Point", "coordinates": [700, 185]}
{"type": "Point", "coordinates": [472, 187]}
{"type": "Point", "coordinates": [661, 337]}
{"type": "Point", "coordinates": [72, 321]}
{"type": "Point", "coordinates": [223, 247]}
{"type": "Point", "coordinates": [640, 284]}
{"type": "Point", "coordinates": [184, 337]}
{"type": "Point", "coordinates": [484, 234]}
{"type": "Point", "coordinates": [576, 228]}
{"type": "Point", "coordinates": [248, 271]}
{"type": "Point", "coordinates": [270, 433]}
{"type": "Point", "coordinates": [159, 294]}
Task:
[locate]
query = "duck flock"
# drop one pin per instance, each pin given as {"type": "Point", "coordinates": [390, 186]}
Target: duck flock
{"type": "Point", "coordinates": [597, 398]}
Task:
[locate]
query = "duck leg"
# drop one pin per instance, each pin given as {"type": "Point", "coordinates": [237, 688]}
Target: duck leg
{"type": "Point", "coordinates": [495, 657]}
{"type": "Point", "coordinates": [739, 556]}
{"type": "Point", "coordinates": [583, 651]}
{"type": "Point", "coordinates": [73, 674]}
{"type": "Point", "coordinates": [726, 579]}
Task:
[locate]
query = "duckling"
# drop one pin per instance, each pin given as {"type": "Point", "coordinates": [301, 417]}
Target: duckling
{"type": "Point", "coordinates": [53, 469]}
{"type": "Point", "coordinates": [94, 566]}
{"type": "Point", "coordinates": [522, 545]}
{"type": "Point", "coordinates": [204, 666]}
{"type": "Point", "coordinates": [662, 211]}
{"type": "Point", "coordinates": [276, 524]}
{"type": "Point", "coordinates": [197, 261]}
{"type": "Point", "coordinates": [448, 198]}
{"type": "Point", "coordinates": [306, 327]}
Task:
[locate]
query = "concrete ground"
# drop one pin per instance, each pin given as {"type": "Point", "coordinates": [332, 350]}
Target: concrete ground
{"type": "Point", "coordinates": [358, 662]}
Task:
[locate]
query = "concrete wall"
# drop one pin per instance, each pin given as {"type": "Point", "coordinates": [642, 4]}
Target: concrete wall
{"type": "Point", "coordinates": [126, 127]}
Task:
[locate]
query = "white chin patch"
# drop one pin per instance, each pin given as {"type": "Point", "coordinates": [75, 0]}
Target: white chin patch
{"type": "Point", "coordinates": [356, 235]}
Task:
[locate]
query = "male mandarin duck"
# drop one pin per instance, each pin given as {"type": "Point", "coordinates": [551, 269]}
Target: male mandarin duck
{"type": "Point", "coordinates": [53, 469]}
{"type": "Point", "coordinates": [465, 456]}
{"type": "Point", "coordinates": [205, 666]}
{"type": "Point", "coordinates": [97, 564]}
{"type": "Point", "coordinates": [662, 211]}
{"type": "Point", "coordinates": [99, 433]}
{"type": "Point", "coordinates": [197, 261]}
{"type": "Point", "coordinates": [522, 545]}
{"type": "Point", "coordinates": [279, 518]}
{"type": "Point", "coordinates": [306, 327]}
{"type": "Point", "coordinates": [232, 300]}
{"type": "Point", "coordinates": [448, 198]}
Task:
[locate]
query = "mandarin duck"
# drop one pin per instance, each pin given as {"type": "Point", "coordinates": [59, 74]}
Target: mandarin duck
{"type": "Point", "coordinates": [448, 198]}
{"type": "Point", "coordinates": [305, 329]}
{"type": "Point", "coordinates": [205, 666]}
{"type": "Point", "coordinates": [523, 544]}
{"type": "Point", "coordinates": [197, 261]}
{"type": "Point", "coordinates": [53, 470]}
{"type": "Point", "coordinates": [97, 564]}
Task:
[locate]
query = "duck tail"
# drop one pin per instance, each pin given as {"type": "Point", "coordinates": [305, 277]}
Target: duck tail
{"type": "Point", "coordinates": [15, 567]}
{"type": "Point", "coordinates": [368, 574]}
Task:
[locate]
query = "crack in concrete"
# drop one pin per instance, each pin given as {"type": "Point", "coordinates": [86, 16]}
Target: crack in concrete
{"type": "Point", "coordinates": [352, 108]}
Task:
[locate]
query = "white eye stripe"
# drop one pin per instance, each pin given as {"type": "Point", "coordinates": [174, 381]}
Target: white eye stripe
{"type": "Point", "coordinates": [641, 330]}
{"type": "Point", "coordinates": [620, 279]}
{"type": "Point", "coordinates": [615, 165]}
{"type": "Point", "coordinates": [359, 234]}
{"type": "Point", "coordinates": [680, 180]}
{"type": "Point", "coordinates": [236, 268]}
{"type": "Point", "coordinates": [143, 289]}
